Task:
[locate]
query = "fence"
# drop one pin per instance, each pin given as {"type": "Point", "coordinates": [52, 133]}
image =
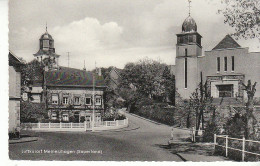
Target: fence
{"type": "Point", "coordinates": [193, 134]}
{"type": "Point", "coordinates": [101, 125]}
{"type": "Point", "coordinates": [227, 147]}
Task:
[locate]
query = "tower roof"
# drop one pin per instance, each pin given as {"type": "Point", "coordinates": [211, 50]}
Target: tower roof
{"type": "Point", "coordinates": [189, 25]}
{"type": "Point", "coordinates": [227, 42]}
{"type": "Point", "coordinates": [46, 36]}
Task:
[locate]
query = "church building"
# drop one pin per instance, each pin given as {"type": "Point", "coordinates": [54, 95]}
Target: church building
{"type": "Point", "coordinates": [225, 67]}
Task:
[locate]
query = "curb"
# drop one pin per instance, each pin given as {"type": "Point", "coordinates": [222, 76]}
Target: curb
{"type": "Point", "coordinates": [23, 140]}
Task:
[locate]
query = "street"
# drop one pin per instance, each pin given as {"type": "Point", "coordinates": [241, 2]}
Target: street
{"type": "Point", "coordinates": [141, 141]}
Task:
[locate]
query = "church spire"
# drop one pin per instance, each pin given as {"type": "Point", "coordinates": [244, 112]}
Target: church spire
{"type": "Point", "coordinates": [46, 27]}
{"type": "Point", "coordinates": [189, 6]}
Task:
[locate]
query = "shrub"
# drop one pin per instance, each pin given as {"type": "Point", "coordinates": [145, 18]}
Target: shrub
{"type": "Point", "coordinates": [120, 117]}
{"type": "Point", "coordinates": [211, 129]}
{"type": "Point", "coordinates": [157, 112]}
{"type": "Point", "coordinates": [31, 112]}
{"type": "Point", "coordinates": [73, 119]}
{"type": "Point", "coordinates": [82, 119]}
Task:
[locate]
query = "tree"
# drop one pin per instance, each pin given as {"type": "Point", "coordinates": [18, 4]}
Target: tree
{"type": "Point", "coordinates": [250, 119]}
{"type": "Point", "coordinates": [30, 72]}
{"type": "Point", "coordinates": [199, 101]}
{"type": "Point", "coordinates": [145, 76]}
{"type": "Point", "coordinates": [244, 16]}
{"type": "Point", "coordinates": [169, 85]}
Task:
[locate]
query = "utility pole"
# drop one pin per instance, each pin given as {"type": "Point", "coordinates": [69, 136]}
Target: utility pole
{"type": "Point", "coordinates": [93, 102]}
{"type": "Point", "coordinates": [68, 59]}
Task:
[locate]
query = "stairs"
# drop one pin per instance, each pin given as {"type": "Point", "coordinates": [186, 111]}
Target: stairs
{"type": "Point", "coordinates": [226, 101]}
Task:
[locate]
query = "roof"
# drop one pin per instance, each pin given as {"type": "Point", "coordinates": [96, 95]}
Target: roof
{"type": "Point", "coordinates": [49, 52]}
{"type": "Point", "coordinates": [14, 60]}
{"type": "Point", "coordinates": [189, 25]}
{"type": "Point", "coordinates": [65, 76]}
{"type": "Point", "coordinates": [45, 36]}
{"type": "Point", "coordinates": [227, 42]}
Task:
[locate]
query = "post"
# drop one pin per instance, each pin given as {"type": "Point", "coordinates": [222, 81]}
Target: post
{"type": "Point", "coordinates": [215, 141]}
{"type": "Point", "coordinates": [243, 148]}
{"type": "Point", "coordinates": [39, 124]}
{"type": "Point", "coordinates": [106, 123]}
{"type": "Point", "coordinates": [70, 124]}
{"type": "Point", "coordinates": [116, 122]}
{"type": "Point", "coordinates": [193, 134]}
{"type": "Point", "coordinates": [124, 121]}
{"type": "Point", "coordinates": [226, 145]}
{"type": "Point", "coordinates": [85, 125]}
{"type": "Point", "coordinates": [60, 124]}
{"type": "Point", "coordinates": [49, 125]}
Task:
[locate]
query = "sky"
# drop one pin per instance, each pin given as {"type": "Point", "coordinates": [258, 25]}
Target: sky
{"type": "Point", "coordinates": [113, 32]}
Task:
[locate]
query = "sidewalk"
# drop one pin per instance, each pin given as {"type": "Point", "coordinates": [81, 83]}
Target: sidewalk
{"type": "Point", "coordinates": [195, 152]}
{"type": "Point", "coordinates": [201, 158]}
{"type": "Point", "coordinates": [23, 139]}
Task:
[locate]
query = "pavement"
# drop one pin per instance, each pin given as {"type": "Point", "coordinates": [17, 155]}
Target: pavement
{"type": "Point", "coordinates": [142, 140]}
{"type": "Point", "coordinates": [23, 139]}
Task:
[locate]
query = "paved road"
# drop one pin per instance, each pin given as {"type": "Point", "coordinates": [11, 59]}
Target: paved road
{"type": "Point", "coordinates": [142, 140]}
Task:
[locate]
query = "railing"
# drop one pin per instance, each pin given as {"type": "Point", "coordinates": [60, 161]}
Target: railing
{"type": "Point", "coordinates": [83, 126]}
{"type": "Point", "coordinates": [53, 125]}
{"type": "Point", "coordinates": [243, 141]}
{"type": "Point", "coordinates": [193, 134]}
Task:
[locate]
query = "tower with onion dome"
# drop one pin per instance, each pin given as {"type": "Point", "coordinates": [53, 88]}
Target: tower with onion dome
{"type": "Point", "coordinates": [46, 53]}
{"type": "Point", "coordinates": [188, 50]}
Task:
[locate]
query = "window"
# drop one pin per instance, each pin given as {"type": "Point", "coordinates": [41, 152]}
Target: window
{"type": "Point", "coordinates": [53, 115]}
{"type": "Point", "coordinates": [45, 43]}
{"type": "Point", "coordinates": [186, 73]}
{"type": "Point", "coordinates": [225, 63]}
{"type": "Point", "coordinates": [98, 100]}
{"type": "Point", "coordinates": [185, 69]}
{"type": "Point", "coordinates": [88, 101]}
{"type": "Point", "coordinates": [54, 98]}
{"type": "Point", "coordinates": [233, 63]}
{"type": "Point", "coordinates": [65, 100]}
{"type": "Point", "coordinates": [65, 117]}
{"type": "Point", "coordinates": [76, 101]}
{"type": "Point", "coordinates": [190, 38]}
{"type": "Point", "coordinates": [178, 40]}
{"type": "Point", "coordinates": [181, 39]}
{"type": "Point", "coordinates": [185, 40]}
{"type": "Point", "coordinates": [218, 64]}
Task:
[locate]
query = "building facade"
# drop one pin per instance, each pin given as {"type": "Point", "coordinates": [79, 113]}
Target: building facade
{"type": "Point", "coordinates": [225, 67]}
{"type": "Point", "coordinates": [73, 93]}
{"type": "Point", "coordinates": [14, 92]}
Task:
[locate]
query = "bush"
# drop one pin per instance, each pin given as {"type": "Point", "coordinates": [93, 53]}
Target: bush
{"type": "Point", "coordinates": [73, 119]}
{"type": "Point", "coordinates": [82, 119]}
{"type": "Point", "coordinates": [157, 112]}
{"type": "Point", "coordinates": [211, 129]}
{"type": "Point", "coordinates": [120, 117]}
{"type": "Point", "coordinates": [31, 112]}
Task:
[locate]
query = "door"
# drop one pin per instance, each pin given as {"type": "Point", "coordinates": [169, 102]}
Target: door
{"type": "Point", "coordinates": [225, 90]}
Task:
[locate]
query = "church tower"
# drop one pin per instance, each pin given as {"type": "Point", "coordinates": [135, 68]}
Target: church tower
{"type": "Point", "coordinates": [188, 49]}
{"type": "Point", "coordinates": [46, 53]}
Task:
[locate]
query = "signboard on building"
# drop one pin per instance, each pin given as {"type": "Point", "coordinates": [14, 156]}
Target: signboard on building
{"type": "Point", "coordinates": [25, 96]}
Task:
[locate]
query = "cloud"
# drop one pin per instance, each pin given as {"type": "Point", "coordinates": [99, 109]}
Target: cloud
{"type": "Point", "coordinates": [113, 34]}
{"type": "Point", "coordinates": [88, 34]}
